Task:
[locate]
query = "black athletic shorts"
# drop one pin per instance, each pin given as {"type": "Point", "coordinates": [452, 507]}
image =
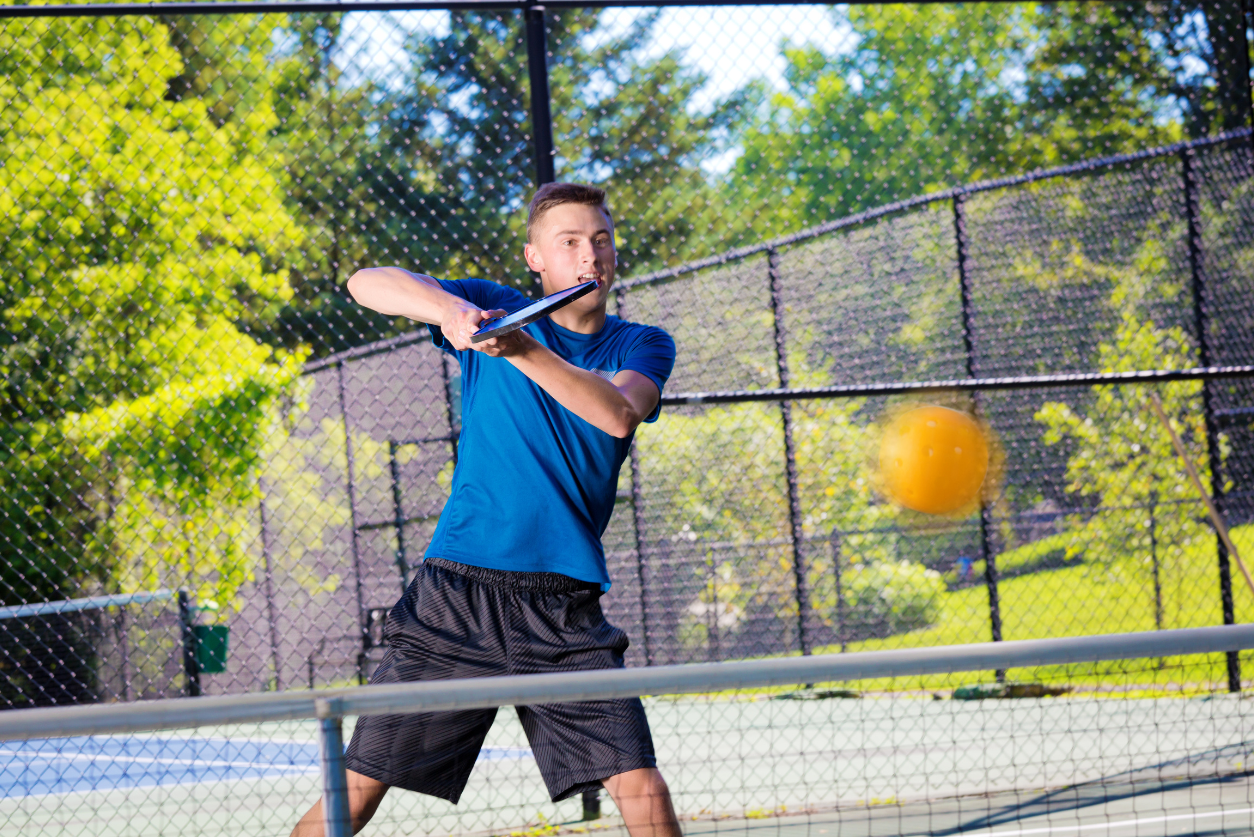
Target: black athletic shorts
{"type": "Point", "coordinates": [461, 621]}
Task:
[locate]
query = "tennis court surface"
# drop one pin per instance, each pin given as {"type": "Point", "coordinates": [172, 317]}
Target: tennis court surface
{"type": "Point", "coordinates": [1135, 747]}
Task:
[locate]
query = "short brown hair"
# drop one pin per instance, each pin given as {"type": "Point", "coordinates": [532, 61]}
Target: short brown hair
{"type": "Point", "coordinates": [555, 194]}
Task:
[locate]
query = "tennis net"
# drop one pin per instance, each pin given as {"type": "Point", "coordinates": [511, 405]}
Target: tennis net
{"type": "Point", "coordinates": [1118, 734]}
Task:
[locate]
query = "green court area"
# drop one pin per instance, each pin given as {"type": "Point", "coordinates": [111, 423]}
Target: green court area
{"type": "Point", "coordinates": [871, 766]}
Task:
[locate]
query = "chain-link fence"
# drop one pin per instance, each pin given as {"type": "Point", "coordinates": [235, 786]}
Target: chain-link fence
{"type": "Point", "coordinates": [192, 402]}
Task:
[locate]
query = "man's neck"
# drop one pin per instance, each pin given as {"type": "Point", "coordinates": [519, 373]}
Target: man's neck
{"type": "Point", "coordinates": [589, 323]}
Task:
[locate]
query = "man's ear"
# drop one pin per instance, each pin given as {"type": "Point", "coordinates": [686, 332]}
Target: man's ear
{"type": "Point", "coordinates": [532, 255]}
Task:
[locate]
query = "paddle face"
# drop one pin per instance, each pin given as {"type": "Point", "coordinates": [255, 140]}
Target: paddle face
{"type": "Point", "coordinates": [531, 313]}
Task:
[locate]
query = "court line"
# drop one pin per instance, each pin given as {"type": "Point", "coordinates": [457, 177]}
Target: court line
{"type": "Point", "coordinates": [486, 754]}
{"type": "Point", "coordinates": [250, 765]}
{"type": "Point", "coordinates": [1146, 820]}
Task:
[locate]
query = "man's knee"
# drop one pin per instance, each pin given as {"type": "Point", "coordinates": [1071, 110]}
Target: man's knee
{"type": "Point", "coordinates": [636, 784]}
{"type": "Point", "coordinates": [364, 796]}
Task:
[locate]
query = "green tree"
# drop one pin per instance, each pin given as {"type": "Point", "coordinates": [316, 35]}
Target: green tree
{"type": "Point", "coordinates": [1102, 64]}
{"type": "Point", "coordinates": [922, 101]}
{"type": "Point", "coordinates": [621, 118]}
{"type": "Point", "coordinates": [139, 236]}
{"type": "Point", "coordinates": [1146, 514]}
{"type": "Point", "coordinates": [934, 96]}
{"type": "Point", "coordinates": [734, 510]}
{"type": "Point", "coordinates": [624, 117]}
{"type": "Point", "coordinates": [357, 200]}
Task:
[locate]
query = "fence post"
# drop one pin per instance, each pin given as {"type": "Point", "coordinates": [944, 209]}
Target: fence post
{"type": "Point", "coordinates": [841, 636]}
{"type": "Point", "coordinates": [968, 345]}
{"type": "Point", "coordinates": [1153, 544]}
{"type": "Point", "coordinates": [362, 627]}
{"type": "Point", "coordinates": [336, 816]}
{"type": "Point", "coordinates": [398, 516]}
{"type": "Point", "coordinates": [713, 642]}
{"type": "Point", "coordinates": [790, 457]}
{"type": "Point", "coordinates": [271, 617]}
{"type": "Point", "coordinates": [448, 405]}
{"type": "Point", "coordinates": [191, 668]}
{"type": "Point", "coordinates": [637, 519]}
{"type": "Point", "coordinates": [541, 114]}
{"type": "Point", "coordinates": [1201, 322]}
{"type": "Point", "coordinates": [591, 805]}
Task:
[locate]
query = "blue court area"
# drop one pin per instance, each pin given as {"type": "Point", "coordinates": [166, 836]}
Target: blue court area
{"type": "Point", "coordinates": [100, 763]}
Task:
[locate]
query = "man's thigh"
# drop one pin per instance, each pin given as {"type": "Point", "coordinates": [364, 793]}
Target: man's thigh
{"type": "Point", "coordinates": [578, 746]}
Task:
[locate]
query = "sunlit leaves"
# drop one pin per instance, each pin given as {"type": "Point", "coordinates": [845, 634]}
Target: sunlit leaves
{"type": "Point", "coordinates": [142, 234]}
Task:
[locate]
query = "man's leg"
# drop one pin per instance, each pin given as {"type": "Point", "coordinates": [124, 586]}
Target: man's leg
{"type": "Point", "coordinates": [644, 800]}
{"type": "Point", "coordinates": [364, 796]}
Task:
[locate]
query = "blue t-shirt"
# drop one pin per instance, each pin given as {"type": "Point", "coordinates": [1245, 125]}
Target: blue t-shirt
{"type": "Point", "coordinates": [534, 485]}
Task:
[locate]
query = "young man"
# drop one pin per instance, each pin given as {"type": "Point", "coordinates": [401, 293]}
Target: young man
{"type": "Point", "coordinates": [513, 576]}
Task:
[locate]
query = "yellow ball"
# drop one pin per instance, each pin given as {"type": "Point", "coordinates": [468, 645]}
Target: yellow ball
{"type": "Point", "coordinates": [933, 459]}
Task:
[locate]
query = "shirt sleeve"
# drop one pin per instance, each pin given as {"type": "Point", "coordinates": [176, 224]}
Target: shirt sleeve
{"type": "Point", "coordinates": [487, 295]}
{"type": "Point", "coordinates": [652, 355]}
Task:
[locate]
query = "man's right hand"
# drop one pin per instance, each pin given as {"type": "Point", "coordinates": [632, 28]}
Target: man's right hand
{"type": "Point", "coordinates": [460, 321]}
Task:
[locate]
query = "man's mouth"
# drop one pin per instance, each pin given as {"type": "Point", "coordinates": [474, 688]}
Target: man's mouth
{"type": "Point", "coordinates": [591, 277]}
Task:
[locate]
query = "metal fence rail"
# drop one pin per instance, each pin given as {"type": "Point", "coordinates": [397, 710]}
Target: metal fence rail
{"type": "Point", "coordinates": [332, 706]}
{"type": "Point", "coordinates": [692, 678]}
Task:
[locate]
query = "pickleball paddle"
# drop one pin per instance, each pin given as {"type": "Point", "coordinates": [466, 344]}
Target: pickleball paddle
{"type": "Point", "coordinates": [529, 314]}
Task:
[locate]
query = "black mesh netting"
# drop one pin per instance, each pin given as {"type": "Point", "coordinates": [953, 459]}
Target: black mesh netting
{"type": "Point", "coordinates": [192, 401]}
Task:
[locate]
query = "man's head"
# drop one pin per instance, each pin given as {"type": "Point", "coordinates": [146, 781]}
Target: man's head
{"type": "Point", "coordinates": [552, 195]}
{"type": "Point", "coordinates": [570, 239]}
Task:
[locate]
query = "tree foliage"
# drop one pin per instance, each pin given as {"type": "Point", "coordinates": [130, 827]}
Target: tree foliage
{"type": "Point", "coordinates": [932, 96]}
{"type": "Point", "coordinates": [141, 236]}
{"type": "Point", "coordinates": [1121, 459]}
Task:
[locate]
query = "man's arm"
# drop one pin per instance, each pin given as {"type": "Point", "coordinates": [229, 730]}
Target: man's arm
{"type": "Point", "coordinates": [616, 407]}
{"type": "Point", "coordinates": [397, 292]}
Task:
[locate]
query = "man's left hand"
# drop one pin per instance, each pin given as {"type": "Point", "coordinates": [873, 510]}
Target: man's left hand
{"type": "Point", "coordinates": [507, 345]}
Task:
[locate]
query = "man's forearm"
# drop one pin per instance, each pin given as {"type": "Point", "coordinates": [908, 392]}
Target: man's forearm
{"type": "Point", "coordinates": [597, 401]}
{"type": "Point", "coordinates": [397, 292]}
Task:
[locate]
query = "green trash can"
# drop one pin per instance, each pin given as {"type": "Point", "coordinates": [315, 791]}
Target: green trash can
{"type": "Point", "coordinates": [211, 642]}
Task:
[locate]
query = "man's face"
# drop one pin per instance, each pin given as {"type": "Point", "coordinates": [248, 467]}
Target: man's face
{"type": "Point", "coordinates": [574, 243]}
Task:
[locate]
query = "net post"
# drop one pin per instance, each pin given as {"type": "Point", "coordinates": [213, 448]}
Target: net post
{"type": "Point", "coordinates": [362, 627]}
{"type": "Point", "coordinates": [538, 71]}
{"type": "Point", "coordinates": [336, 814]}
{"type": "Point", "coordinates": [1201, 323]}
{"type": "Point", "coordinates": [796, 532]}
{"type": "Point", "coordinates": [962, 244]}
{"type": "Point", "coordinates": [191, 668]}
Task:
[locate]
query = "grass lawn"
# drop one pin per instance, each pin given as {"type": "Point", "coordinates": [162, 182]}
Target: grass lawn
{"type": "Point", "coordinates": [1089, 598]}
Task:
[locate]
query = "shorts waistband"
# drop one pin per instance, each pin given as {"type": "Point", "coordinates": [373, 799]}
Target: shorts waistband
{"type": "Point", "coordinates": [513, 579]}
